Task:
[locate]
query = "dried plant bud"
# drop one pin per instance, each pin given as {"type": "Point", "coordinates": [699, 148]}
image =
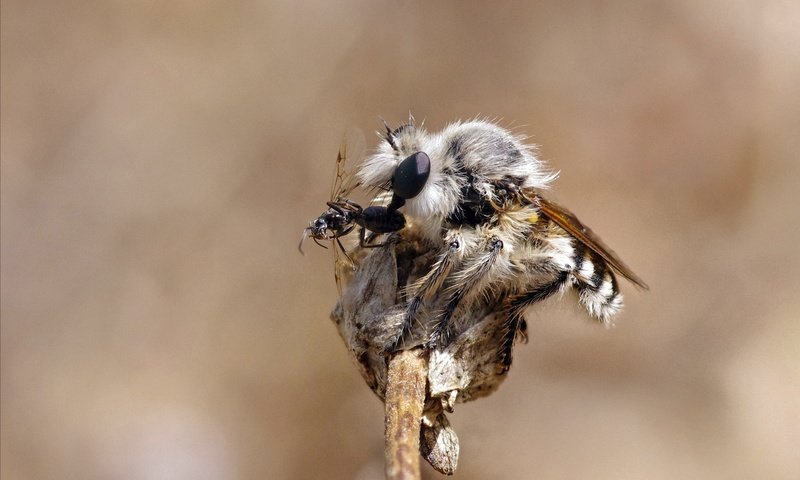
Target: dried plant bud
{"type": "Point", "coordinates": [439, 444]}
{"type": "Point", "coordinates": [371, 311]}
{"type": "Point", "coordinates": [369, 317]}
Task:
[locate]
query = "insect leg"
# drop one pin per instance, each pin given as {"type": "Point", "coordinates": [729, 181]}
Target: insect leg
{"type": "Point", "coordinates": [345, 231]}
{"type": "Point", "coordinates": [345, 205]}
{"type": "Point", "coordinates": [364, 242]}
{"type": "Point", "coordinates": [353, 204]}
{"type": "Point", "coordinates": [468, 280]}
{"type": "Point", "coordinates": [339, 242]}
{"type": "Point", "coordinates": [515, 323]}
{"type": "Point", "coordinates": [429, 284]}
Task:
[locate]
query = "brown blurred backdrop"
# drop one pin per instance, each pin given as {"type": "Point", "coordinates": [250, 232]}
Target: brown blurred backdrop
{"type": "Point", "coordinates": [160, 159]}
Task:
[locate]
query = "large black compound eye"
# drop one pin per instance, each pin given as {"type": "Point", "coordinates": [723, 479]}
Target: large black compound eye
{"type": "Point", "coordinates": [410, 176]}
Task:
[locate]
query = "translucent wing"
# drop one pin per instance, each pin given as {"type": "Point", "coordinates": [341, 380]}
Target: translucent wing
{"type": "Point", "coordinates": [348, 186]}
{"type": "Point", "coordinates": [345, 183]}
{"type": "Point", "coordinates": [338, 269]}
{"type": "Point", "coordinates": [569, 222]}
{"type": "Point", "coordinates": [344, 179]}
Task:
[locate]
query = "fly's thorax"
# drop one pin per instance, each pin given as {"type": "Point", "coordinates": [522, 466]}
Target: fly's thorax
{"type": "Point", "coordinates": [485, 152]}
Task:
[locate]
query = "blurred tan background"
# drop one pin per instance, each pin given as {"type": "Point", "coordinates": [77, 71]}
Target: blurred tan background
{"type": "Point", "coordinates": [160, 159]}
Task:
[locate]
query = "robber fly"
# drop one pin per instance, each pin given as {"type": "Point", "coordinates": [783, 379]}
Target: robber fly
{"type": "Point", "coordinates": [499, 239]}
{"type": "Point", "coordinates": [344, 215]}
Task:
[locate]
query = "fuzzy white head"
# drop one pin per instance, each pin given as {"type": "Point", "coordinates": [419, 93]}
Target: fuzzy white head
{"type": "Point", "coordinates": [466, 158]}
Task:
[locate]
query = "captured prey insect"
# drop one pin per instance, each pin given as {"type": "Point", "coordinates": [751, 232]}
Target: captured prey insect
{"type": "Point", "coordinates": [344, 215]}
{"type": "Point", "coordinates": [500, 242]}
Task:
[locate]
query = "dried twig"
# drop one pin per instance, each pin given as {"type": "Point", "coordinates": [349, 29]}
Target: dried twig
{"type": "Point", "coordinates": [405, 398]}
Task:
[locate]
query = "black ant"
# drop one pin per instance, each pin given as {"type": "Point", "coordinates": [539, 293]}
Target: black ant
{"type": "Point", "coordinates": [344, 215]}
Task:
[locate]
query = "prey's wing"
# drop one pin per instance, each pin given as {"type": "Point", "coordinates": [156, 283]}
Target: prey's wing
{"type": "Point", "coordinates": [569, 222]}
{"type": "Point", "coordinates": [344, 178]}
{"type": "Point", "coordinates": [338, 269]}
{"type": "Point", "coordinates": [345, 184]}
